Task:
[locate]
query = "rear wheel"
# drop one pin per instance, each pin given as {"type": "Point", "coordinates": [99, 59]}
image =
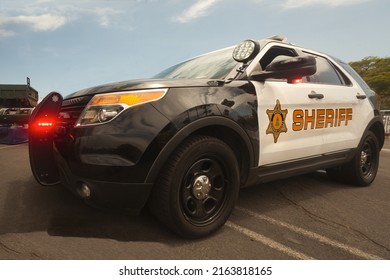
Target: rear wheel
{"type": "Point", "coordinates": [197, 188]}
{"type": "Point", "coordinates": [362, 169]}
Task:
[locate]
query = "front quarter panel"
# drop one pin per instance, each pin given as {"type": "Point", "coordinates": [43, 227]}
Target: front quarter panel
{"type": "Point", "coordinates": [193, 109]}
{"type": "Point", "coordinates": [236, 100]}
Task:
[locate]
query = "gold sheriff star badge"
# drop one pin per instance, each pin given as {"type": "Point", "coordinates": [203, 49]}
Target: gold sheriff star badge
{"type": "Point", "coordinates": [277, 123]}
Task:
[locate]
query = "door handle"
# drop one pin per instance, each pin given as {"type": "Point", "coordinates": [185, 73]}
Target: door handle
{"type": "Point", "coordinates": [313, 95]}
{"type": "Point", "coordinates": [361, 96]}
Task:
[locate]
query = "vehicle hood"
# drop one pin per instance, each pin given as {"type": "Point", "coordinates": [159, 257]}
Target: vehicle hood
{"type": "Point", "coordinates": [144, 84]}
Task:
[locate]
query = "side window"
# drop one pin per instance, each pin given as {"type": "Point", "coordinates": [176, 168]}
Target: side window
{"type": "Point", "coordinates": [326, 74]}
{"type": "Point", "coordinates": [356, 76]}
{"type": "Point", "coordinates": [276, 53]}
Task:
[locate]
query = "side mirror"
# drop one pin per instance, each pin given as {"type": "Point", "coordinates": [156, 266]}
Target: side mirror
{"type": "Point", "coordinates": [290, 68]}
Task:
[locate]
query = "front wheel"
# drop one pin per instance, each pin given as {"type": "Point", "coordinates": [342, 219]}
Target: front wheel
{"type": "Point", "coordinates": [198, 187]}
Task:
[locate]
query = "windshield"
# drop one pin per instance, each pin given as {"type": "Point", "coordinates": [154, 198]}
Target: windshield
{"type": "Point", "coordinates": [215, 65]}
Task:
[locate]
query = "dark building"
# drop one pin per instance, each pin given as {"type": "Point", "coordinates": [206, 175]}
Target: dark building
{"type": "Point", "coordinates": [18, 96]}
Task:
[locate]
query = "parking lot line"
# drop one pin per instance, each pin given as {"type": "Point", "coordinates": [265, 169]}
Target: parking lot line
{"type": "Point", "coordinates": [312, 235]}
{"type": "Point", "coordinates": [269, 242]}
{"type": "Point", "coordinates": [6, 147]}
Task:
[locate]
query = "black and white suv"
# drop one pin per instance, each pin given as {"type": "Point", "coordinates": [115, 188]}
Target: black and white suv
{"type": "Point", "coordinates": [185, 142]}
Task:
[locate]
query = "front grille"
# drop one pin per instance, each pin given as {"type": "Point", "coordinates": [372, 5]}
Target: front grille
{"type": "Point", "coordinates": [69, 116]}
{"type": "Point", "coordinates": [71, 110]}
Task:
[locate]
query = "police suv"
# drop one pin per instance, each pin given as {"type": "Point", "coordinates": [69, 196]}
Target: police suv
{"type": "Point", "coordinates": [185, 142]}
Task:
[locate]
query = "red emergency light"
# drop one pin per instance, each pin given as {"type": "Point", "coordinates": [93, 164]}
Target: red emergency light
{"type": "Point", "coordinates": [297, 81]}
{"type": "Point", "coordinates": [43, 125]}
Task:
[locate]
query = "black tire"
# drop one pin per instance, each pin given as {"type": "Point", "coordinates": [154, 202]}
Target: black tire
{"type": "Point", "coordinates": [362, 169]}
{"type": "Point", "coordinates": [198, 187]}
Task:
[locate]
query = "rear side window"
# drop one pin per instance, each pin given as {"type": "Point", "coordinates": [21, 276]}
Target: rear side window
{"type": "Point", "coordinates": [356, 76]}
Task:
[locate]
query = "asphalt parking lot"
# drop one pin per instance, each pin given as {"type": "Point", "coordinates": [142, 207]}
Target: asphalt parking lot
{"type": "Point", "coordinates": [305, 217]}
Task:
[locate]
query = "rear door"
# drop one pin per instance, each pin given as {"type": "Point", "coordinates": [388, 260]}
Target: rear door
{"type": "Point", "coordinates": [345, 109]}
{"type": "Point", "coordinates": [42, 125]}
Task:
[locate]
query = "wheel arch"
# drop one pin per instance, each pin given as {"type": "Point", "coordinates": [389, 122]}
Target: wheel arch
{"type": "Point", "coordinates": [376, 126]}
{"type": "Point", "coordinates": [219, 127]}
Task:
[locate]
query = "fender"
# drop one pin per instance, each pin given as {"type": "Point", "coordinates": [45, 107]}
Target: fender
{"type": "Point", "coordinates": [189, 129]}
{"type": "Point", "coordinates": [376, 126]}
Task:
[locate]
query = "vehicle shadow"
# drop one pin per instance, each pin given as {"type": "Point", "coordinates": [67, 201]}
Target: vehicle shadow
{"type": "Point", "coordinates": [273, 195]}
{"type": "Point", "coordinates": [29, 207]}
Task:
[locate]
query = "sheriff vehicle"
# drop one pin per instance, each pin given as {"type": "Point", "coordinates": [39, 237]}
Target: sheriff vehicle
{"type": "Point", "coordinates": [185, 142]}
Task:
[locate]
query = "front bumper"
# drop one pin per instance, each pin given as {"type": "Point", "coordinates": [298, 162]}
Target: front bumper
{"type": "Point", "coordinates": [130, 197]}
{"type": "Point", "coordinates": [111, 159]}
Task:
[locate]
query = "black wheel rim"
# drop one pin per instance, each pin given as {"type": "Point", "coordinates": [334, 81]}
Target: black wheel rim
{"type": "Point", "coordinates": [204, 191]}
{"type": "Point", "coordinates": [367, 159]}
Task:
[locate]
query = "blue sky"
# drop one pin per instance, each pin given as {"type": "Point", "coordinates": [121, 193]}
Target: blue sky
{"type": "Point", "coordinates": [67, 45]}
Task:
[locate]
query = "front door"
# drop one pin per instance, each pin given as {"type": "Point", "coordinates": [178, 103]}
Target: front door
{"type": "Point", "coordinates": [279, 139]}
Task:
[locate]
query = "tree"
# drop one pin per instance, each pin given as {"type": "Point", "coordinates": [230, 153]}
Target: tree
{"type": "Point", "coordinates": [376, 72]}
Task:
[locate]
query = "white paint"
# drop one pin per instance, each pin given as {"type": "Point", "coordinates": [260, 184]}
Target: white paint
{"type": "Point", "coordinates": [269, 242]}
{"type": "Point", "coordinates": [320, 238]}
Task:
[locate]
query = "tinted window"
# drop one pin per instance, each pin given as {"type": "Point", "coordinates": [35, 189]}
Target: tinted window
{"type": "Point", "coordinates": [326, 74]}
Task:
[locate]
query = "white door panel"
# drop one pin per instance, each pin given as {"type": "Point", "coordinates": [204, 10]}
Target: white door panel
{"type": "Point", "coordinates": [349, 126]}
{"type": "Point", "coordinates": [285, 145]}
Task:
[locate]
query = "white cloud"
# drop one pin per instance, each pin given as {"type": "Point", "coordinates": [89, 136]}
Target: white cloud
{"type": "Point", "coordinates": [199, 9]}
{"type": "Point", "coordinates": [46, 22]}
{"type": "Point", "coordinates": [6, 33]}
{"type": "Point", "coordinates": [104, 15]}
{"type": "Point", "coordinates": [49, 15]}
{"type": "Point", "coordinates": [291, 4]}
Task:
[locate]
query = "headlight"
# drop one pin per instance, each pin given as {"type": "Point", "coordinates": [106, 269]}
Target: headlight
{"type": "Point", "coordinates": [103, 108]}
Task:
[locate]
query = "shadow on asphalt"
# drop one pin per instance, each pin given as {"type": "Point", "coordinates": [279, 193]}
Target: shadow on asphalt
{"type": "Point", "coordinates": [274, 196]}
{"type": "Point", "coordinates": [29, 207]}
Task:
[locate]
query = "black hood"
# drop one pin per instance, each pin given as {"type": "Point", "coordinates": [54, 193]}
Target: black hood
{"type": "Point", "coordinates": [144, 84]}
